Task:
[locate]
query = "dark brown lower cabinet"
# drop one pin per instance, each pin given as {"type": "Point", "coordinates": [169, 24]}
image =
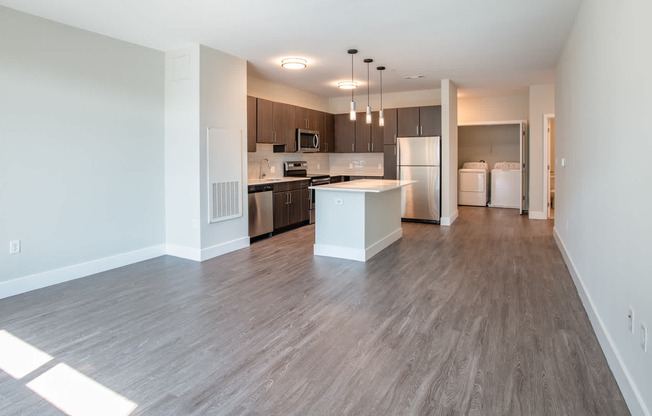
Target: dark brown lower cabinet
{"type": "Point", "coordinates": [291, 203]}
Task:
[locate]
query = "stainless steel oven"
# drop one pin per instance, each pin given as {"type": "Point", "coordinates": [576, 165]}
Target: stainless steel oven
{"type": "Point", "coordinates": [299, 169]}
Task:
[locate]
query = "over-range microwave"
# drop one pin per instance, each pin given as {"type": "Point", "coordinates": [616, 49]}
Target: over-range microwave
{"type": "Point", "coordinates": [307, 140]}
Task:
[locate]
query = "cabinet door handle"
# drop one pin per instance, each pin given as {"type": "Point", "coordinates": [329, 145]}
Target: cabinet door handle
{"type": "Point", "coordinates": [352, 147]}
{"type": "Point", "coordinates": [372, 147]}
{"type": "Point", "coordinates": [394, 139]}
{"type": "Point", "coordinates": [420, 130]}
{"type": "Point", "coordinates": [417, 130]}
{"type": "Point", "coordinates": [290, 195]}
{"type": "Point", "coordinates": [367, 147]}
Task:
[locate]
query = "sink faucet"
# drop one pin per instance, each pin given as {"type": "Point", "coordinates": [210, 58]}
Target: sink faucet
{"type": "Point", "coordinates": [269, 166]}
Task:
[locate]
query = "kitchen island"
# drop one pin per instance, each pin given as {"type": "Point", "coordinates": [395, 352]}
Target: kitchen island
{"type": "Point", "coordinates": [356, 220]}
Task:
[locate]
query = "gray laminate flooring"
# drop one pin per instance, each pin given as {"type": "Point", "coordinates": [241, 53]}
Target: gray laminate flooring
{"type": "Point", "coordinates": [481, 318]}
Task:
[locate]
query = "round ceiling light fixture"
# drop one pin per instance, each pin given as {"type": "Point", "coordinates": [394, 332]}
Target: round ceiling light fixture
{"type": "Point", "coordinates": [294, 63]}
{"type": "Point", "coordinates": [347, 85]}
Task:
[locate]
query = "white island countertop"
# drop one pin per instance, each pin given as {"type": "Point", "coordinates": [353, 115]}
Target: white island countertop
{"type": "Point", "coordinates": [364, 185]}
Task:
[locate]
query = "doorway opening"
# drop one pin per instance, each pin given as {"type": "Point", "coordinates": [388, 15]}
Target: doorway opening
{"type": "Point", "coordinates": [549, 163]}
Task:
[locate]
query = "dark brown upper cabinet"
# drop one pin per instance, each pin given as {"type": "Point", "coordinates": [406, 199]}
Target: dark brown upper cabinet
{"type": "Point", "coordinates": [344, 134]}
{"type": "Point", "coordinates": [390, 131]}
{"type": "Point", "coordinates": [275, 124]}
{"type": "Point", "coordinates": [419, 121]}
{"type": "Point", "coordinates": [251, 124]}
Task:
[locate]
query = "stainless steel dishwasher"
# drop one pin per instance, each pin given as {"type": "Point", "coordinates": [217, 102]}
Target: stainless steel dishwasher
{"type": "Point", "coordinates": [261, 209]}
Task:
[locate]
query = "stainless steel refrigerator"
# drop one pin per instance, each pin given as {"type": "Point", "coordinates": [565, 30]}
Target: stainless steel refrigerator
{"type": "Point", "coordinates": [419, 159]}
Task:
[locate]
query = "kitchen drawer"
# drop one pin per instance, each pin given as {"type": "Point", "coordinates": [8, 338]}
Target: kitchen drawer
{"type": "Point", "coordinates": [290, 186]}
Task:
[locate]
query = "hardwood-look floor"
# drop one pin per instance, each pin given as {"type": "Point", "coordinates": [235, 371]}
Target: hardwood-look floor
{"type": "Point", "coordinates": [481, 318]}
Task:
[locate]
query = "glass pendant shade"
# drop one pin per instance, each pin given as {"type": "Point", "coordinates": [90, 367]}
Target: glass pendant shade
{"type": "Point", "coordinates": [368, 117]}
{"type": "Point", "coordinates": [352, 110]}
{"type": "Point", "coordinates": [381, 118]}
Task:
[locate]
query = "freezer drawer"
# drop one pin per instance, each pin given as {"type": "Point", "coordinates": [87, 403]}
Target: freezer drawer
{"type": "Point", "coordinates": [421, 200]}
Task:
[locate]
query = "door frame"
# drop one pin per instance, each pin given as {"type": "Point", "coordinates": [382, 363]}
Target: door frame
{"type": "Point", "coordinates": [546, 163]}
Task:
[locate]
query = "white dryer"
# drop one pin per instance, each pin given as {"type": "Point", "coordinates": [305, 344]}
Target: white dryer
{"type": "Point", "coordinates": [472, 184]}
{"type": "Point", "coordinates": [506, 185]}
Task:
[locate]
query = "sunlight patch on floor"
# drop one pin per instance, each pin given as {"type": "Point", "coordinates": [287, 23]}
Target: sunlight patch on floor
{"type": "Point", "coordinates": [75, 394]}
{"type": "Point", "coordinates": [18, 358]}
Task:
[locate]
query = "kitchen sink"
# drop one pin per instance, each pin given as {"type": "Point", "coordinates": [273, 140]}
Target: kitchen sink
{"type": "Point", "coordinates": [273, 180]}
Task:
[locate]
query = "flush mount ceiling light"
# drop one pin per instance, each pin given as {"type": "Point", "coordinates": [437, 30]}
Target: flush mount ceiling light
{"type": "Point", "coordinates": [368, 117]}
{"type": "Point", "coordinates": [294, 63]}
{"type": "Point", "coordinates": [352, 112]}
{"type": "Point", "coordinates": [347, 85]}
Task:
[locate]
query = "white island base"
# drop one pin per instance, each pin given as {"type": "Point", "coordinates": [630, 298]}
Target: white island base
{"type": "Point", "coordinates": [356, 220]}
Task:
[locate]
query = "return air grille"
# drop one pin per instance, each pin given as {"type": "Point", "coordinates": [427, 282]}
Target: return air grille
{"type": "Point", "coordinates": [225, 193]}
{"type": "Point", "coordinates": [226, 200]}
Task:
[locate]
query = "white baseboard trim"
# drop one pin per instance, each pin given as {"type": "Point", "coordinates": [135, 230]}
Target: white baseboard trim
{"type": "Point", "coordinates": [223, 248]}
{"type": "Point", "coordinates": [348, 253]}
{"type": "Point", "coordinates": [537, 215]}
{"type": "Point", "coordinates": [184, 252]}
{"type": "Point", "coordinates": [358, 254]}
{"type": "Point", "coordinates": [383, 243]}
{"type": "Point", "coordinates": [627, 386]}
{"type": "Point", "coordinates": [76, 271]}
{"type": "Point", "coordinates": [448, 221]}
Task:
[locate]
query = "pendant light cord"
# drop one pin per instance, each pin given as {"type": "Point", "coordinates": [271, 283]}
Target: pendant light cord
{"type": "Point", "coordinates": [367, 84]}
{"type": "Point", "coordinates": [352, 77]}
{"type": "Point", "coordinates": [381, 90]}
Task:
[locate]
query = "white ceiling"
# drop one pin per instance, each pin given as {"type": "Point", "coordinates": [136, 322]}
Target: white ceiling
{"type": "Point", "coordinates": [478, 44]}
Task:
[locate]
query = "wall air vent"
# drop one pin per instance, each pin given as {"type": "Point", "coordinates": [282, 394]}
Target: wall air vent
{"type": "Point", "coordinates": [225, 201]}
{"type": "Point", "coordinates": [224, 174]}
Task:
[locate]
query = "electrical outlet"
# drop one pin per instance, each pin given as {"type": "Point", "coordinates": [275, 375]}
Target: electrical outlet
{"type": "Point", "coordinates": [644, 337]}
{"type": "Point", "coordinates": [14, 247]}
{"type": "Point", "coordinates": [318, 166]}
{"type": "Point", "coordinates": [339, 201]}
{"type": "Point", "coordinates": [350, 165]}
{"type": "Point", "coordinates": [630, 319]}
{"type": "Point", "coordinates": [272, 169]}
{"type": "Point", "coordinates": [380, 166]}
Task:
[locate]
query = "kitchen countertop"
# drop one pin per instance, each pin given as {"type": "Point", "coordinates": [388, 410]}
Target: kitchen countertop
{"type": "Point", "coordinates": [274, 180]}
{"type": "Point", "coordinates": [364, 185]}
{"type": "Point", "coordinates": [355, 174]}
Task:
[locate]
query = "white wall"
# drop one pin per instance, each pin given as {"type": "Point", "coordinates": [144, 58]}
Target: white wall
{"type": "Point", "coordinates": [182, 211]}
{"type": "Point", "coordinates": [542, 101]}
{"type": "Point", "coordinates": [223, 105]}
{"type": "Point", "coordinates": [602, 213]}
{"type": "Point", "coordinates": [204, 88]}
{"type": "Point", "coordinates": [449, 115]}
{"type": "Point", "coordinates": [493, 108]}
{"type": "Point", "coordinates": [340, 104]}
{"type": "Point", "coordinates": [283, 94]}
{"type": "Point", "coordinates": [81, 159]}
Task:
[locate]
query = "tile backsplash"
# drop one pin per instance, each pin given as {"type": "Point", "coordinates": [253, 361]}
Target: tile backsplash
{"type": "Point", "coordinates": [359, 164]}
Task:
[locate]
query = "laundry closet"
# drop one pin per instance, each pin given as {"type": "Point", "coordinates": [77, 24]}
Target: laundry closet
{"type": "Point", "coordinates": [492, 165]}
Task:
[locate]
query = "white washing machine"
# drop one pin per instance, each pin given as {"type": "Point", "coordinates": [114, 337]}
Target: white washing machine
{"type": "Point", "coordinates": [472, 184]}
{"type": "Point", "coordinates": [506, 185]}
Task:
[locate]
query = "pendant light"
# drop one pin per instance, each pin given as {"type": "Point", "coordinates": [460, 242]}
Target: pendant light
{"type": "Point", "coordinates": [381, 116]}
{"type": "Point", "coordinates": [352, 113]}
{"type": "Point", "coordinates": [368, 118]}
